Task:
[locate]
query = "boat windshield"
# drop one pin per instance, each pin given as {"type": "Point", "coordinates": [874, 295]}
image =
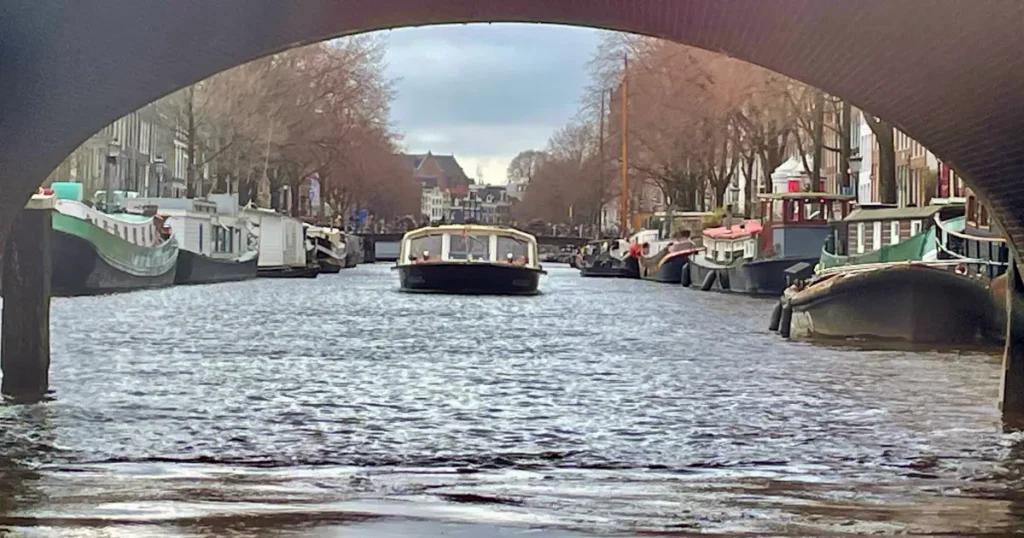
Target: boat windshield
{"type": "Point", "coordinates": [470, 247]}
{"type": "Point", "coordinates": [518, 248]}
{"type": "Point", "coordinates": [429, 244]}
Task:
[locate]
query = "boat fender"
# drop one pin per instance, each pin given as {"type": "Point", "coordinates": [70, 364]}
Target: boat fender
{"type": "Point", "coordinates": [709, 281]}
{"type": "Point", "coordinates": [723, 280]}
{"type": "Point", "coordinates": [785, 319]}
{"type": "Point", "coordinates": [685, 279]}
{"type": "Point", "coordinates": [773, 324]}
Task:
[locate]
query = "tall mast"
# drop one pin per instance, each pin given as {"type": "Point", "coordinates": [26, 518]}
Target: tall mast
{"type": "Point", "coordinates": [600, 170]}
{"type": "Point", "coordinates": [624, 197]}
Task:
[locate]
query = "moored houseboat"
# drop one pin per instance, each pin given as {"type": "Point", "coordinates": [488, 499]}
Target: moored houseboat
{"type": "Point", "coordinates": [94, 252]}
{"type": "Point", "coordinates": [753, 257]}
{"type": "Point", "coordinates": [883, 276]}
{"type": "Point", "coordinates": [282, 245]}
{"type": "Point", "coordinates": [607, 258]}
{"type": "Point", "coordinates": [666, 244]}
{"type": "Point", "coordinates": [469, 259]}
{"type": "Point", "coordinates": [214, 239]}
{"type": "Point", "coordinates": [329, 248]}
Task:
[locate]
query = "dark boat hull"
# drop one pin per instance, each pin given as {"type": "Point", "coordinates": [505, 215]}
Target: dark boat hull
{"type": "Point", "coordinates": [79, 270]}
{"type": "Point", "coordinates": [330, 265]}
{"type": "Point", "coordinates": [608, 267]}
{"type": "Point", "coordinates": [194, 268]}
{"type": "Point", "coordinates": [469, 278]}
{"type": "Point", "coordinates": [759, 277]}
{"type": "Point", "coordinates": [666, 268]}
{"type": "Point", "coordinates": [309, 271]}
{"type": "Point", "coordinates": [916, 304]}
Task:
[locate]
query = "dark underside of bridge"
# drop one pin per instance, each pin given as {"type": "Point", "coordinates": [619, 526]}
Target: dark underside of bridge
{"type": "Point", "coordinates": [950, 73]}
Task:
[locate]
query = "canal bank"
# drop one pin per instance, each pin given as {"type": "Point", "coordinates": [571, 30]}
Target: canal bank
{"type": "Point", "coordinates": [602, 406]}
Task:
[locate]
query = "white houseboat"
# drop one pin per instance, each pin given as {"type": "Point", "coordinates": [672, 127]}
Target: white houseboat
{"type": "Point", "coordinates": [469, 259]}
{"type": "Point", "coordinates": [282, 244]}
{"type": "Point", "coordinates": [215, 241]}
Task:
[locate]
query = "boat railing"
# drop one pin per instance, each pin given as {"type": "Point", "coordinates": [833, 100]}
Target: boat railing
{"type": "Point", "coordinates": [962, 235]}
{"type": "Point", "coordinates": [881, 265]}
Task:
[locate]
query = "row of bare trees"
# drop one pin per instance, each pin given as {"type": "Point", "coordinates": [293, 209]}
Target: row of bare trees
{"type": "Point", "coordinates": [697, 122]}
{"type": "Point", "coordinates": [320, 110]}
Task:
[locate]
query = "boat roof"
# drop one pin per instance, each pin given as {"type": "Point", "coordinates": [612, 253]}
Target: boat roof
{"type": "Point", "coordinates": [806, 196]}
{"type": "Point", "coordinates": [862, 214]}
{"type": "Point", "coordinates": [469, 228]}
{"type": "Point", "coordinates": [736, 231]}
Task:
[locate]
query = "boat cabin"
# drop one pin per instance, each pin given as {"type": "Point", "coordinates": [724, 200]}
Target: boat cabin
{"type": "Point", "coordinates": [796, 224]}
{"type": "Point", "coordinates": [726, 244]}
{"type": "Point", "coordinates": [468, 244]}
{"type": "Point", "coordinates": [868, 229]}
{"type": "Point", "coordinates": [139, 230]}
{"type": "Point", "coordinates": [212, 227]}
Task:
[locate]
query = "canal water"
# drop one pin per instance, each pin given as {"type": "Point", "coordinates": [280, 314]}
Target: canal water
{"type": "Point", "coordinates": [341, 407]}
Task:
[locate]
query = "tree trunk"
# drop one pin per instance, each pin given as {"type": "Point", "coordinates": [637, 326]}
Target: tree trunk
{"type": "Point", "coordinates": [844, 147]}
{"type": "Point", "coordinates": [190, 170]}
{"type": "Point", "coordinates": [749, 185]}
{"type": "Point", "coordinates": [818, 139]}
{"type": "Point", "coordinates": [883, 132]}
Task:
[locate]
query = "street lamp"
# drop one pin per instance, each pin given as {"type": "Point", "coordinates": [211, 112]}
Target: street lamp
{"type": "Point", "coordinates": [158, 167]}
{"type": "Point", "coordinates": [113, 152]}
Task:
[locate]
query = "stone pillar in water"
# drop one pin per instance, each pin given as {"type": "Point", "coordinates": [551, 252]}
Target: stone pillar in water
{"type": "Point", "coordinates": [25, 326]}
{"type": "Point", "coordinates": [1011, 397]}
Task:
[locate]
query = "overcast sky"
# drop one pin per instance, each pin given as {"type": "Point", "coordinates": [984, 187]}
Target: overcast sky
{"type": "Point", "coordinates": [486, 92]}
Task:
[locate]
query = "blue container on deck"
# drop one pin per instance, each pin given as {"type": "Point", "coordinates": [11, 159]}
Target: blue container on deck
{"type": "Point", "coordinates": [67, 190]}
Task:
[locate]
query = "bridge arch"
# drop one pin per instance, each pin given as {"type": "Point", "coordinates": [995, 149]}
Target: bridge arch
{"type": "Point", "coordinates": [950, 74]}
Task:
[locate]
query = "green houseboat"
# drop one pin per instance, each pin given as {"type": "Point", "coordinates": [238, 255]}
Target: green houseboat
{"type": "Point", "coordinates": [95, 252]}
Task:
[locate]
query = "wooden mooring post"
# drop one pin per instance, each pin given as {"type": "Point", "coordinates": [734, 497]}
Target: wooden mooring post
{"type": "Point", "coordinates": [1011, 393]}
{"type": "Point", "coordinates": [25, 324]}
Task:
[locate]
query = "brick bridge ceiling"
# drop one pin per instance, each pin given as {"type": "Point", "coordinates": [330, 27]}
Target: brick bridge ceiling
{"type": "Point", "coordinates": [950, 73]}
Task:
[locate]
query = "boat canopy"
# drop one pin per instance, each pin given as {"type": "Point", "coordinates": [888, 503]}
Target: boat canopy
{"type": "Point", "coordinates": [468, 243]}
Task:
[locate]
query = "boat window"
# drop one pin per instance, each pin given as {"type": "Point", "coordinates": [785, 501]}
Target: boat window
{"type": "Point", "coordinates": [465, 247]}
{"type": "Point", "coordinates": [430, 244]}
{"type": "Point", "coordinates": [915, 227]}
{"type": "Point", "coordinates": [894, 232]}
{"type": "Point", "coordinates": [876, 235]}
{"type": "Point", "coordinates": [519, 249]}
{"type": "Point", "coordinates": [135, 235]}
{"type": "Point", "coordinates": [860, 238]}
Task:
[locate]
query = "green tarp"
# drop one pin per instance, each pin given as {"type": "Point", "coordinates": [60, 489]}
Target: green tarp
{"type": "Point", "coordinates": [913, 249]}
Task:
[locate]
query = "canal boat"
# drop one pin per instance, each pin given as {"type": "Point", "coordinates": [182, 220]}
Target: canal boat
{"type": "Point", "coordinates": [882, 291]}
{"type": "Point", "coordinates": [97, 252]}
{"type": "Point", "coordinates": [917, 302]}
{"type": "Point", "coordinates": [469, 259]}
{"type": "Point", "coordinates": [753, 256]}
{"type": "Point", "coordinates": [663, 259]}
{"type": "Point", "coordinates": [328, 248]}
{"type": "Point", "coordinates": [608, 258]}
{"type": "Point", "coordinates": [214, 240]}
{"type": "Point", "coordinates": [282, 245]}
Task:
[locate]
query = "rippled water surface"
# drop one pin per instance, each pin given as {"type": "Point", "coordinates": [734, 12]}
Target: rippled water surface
{"type": "Point", "coordinates": [341, 407]}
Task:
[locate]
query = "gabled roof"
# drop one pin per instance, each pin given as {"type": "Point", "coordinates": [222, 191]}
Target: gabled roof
{"type": "Point", "coordinates": [448, 163]}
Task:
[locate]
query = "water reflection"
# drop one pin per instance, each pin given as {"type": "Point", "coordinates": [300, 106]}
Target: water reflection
{"type": "Point", "coordinates": [339, 407]}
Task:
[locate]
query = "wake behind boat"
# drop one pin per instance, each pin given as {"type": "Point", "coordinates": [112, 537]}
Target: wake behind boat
{"type": "Point", "coordinates": [469, 259]}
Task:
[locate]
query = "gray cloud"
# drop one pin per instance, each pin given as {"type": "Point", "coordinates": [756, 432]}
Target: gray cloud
{"type": "Point", "coordinates": [485, 92]}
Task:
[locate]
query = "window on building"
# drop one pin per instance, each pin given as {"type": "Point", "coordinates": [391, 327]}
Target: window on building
{"type": "Point", "coordinates": [894, 232]}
